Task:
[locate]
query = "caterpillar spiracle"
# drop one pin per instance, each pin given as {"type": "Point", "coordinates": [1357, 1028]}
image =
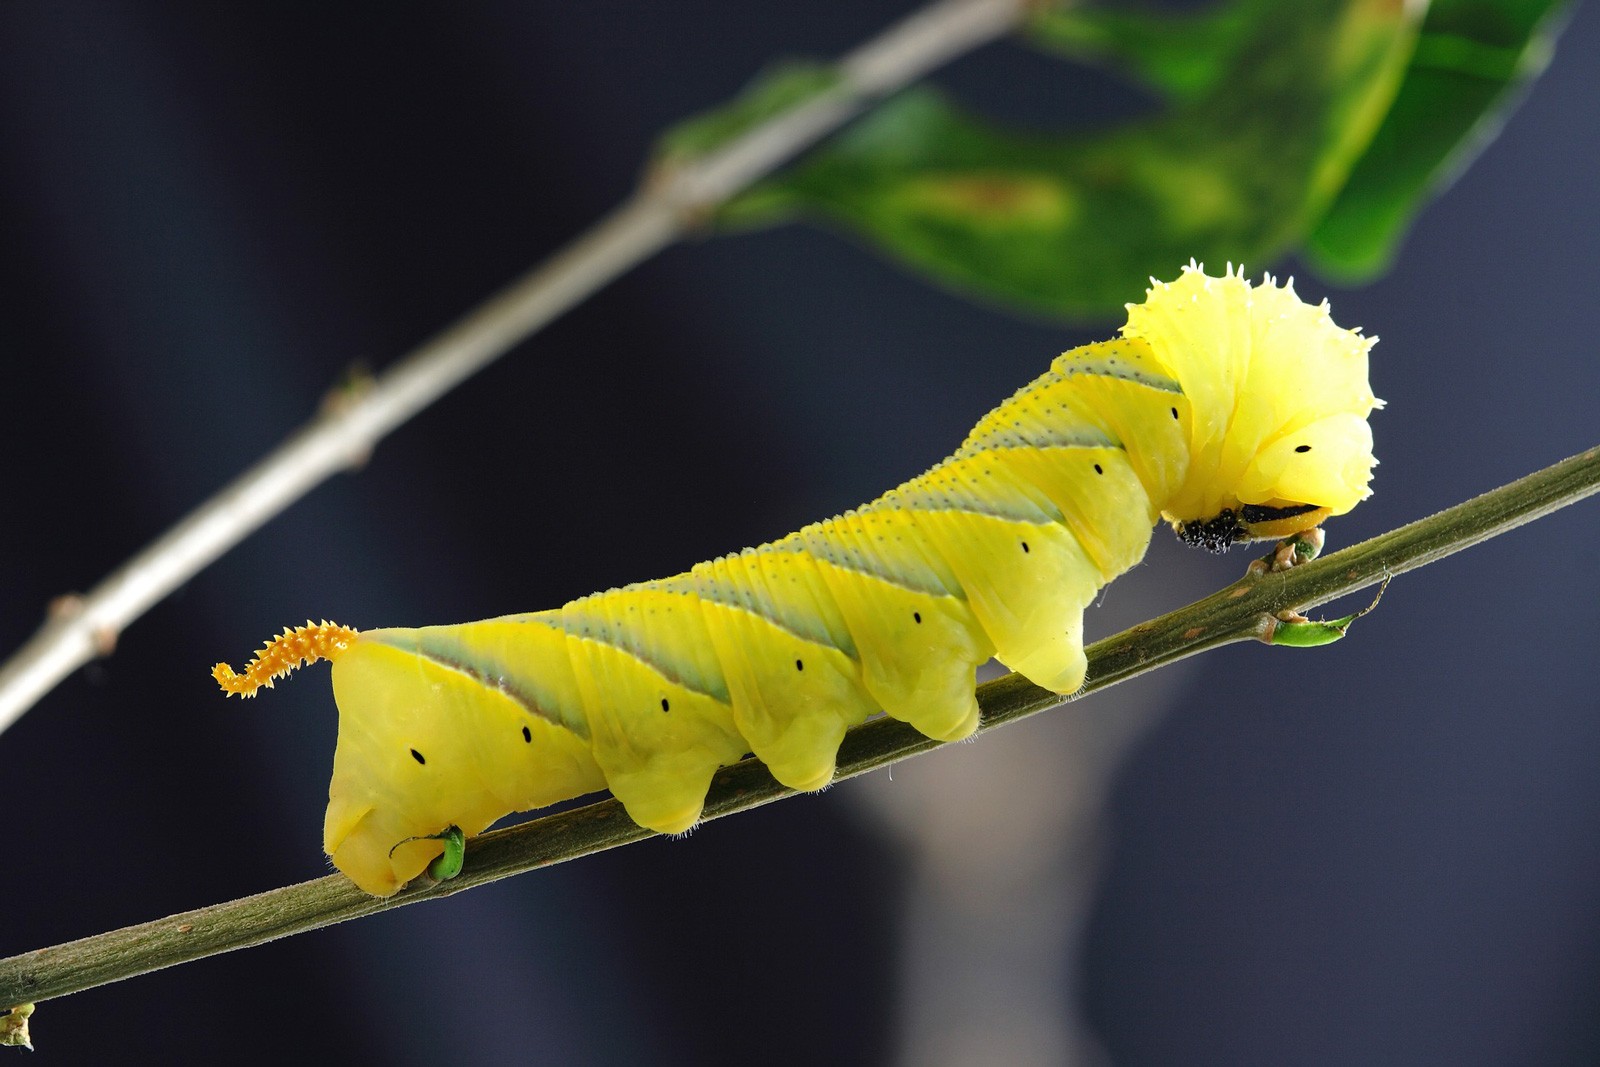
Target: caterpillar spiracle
{"type": "Point", "coordinates": [1233, 411]}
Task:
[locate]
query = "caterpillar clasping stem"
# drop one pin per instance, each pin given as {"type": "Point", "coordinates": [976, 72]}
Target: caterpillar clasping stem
{"type": "Point", "coordinates": [778, 650]}
{"type": "Point", "coordinates": [297, 647]}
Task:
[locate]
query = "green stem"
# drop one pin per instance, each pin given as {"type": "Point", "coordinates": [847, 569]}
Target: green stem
{"type": "Point", "coordinates": [1233, 614]}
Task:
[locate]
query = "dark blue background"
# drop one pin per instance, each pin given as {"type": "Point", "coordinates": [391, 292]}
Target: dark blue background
{"type": "Point", "coordinates": [1385, 852]}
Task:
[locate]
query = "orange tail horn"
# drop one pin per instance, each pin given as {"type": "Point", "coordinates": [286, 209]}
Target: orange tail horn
{"type": "Point", "coordinates": [290, 649]}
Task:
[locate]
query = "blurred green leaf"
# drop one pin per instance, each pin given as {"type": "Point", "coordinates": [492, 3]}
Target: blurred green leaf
{"type": "Point", "coordinates": [1472, 61]}
{"type": "Point", "coordinates": [1182, 54]}
{"type": "Point", "coordinates": [1239, 168]}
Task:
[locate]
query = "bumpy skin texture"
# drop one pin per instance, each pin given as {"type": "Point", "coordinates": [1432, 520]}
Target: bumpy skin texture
{"type": "Point", "coordinates": [1232, 409]}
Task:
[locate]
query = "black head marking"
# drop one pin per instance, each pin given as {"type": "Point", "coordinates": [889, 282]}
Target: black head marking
{"type": "Point", "coordinates": [1216, 534]}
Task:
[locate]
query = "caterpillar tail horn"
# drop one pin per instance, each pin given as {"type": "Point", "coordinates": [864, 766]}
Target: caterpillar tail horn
{"type": "Point", "coordinates": [296, 647]}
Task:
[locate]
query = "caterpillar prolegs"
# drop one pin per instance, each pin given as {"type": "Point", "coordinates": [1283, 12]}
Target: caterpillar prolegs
{"type": "Point", "coordinates": [1232, 411]}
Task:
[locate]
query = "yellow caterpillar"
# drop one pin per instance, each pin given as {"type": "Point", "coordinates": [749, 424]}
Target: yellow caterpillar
{"type": "Point", "coordinates": [1233, 411]}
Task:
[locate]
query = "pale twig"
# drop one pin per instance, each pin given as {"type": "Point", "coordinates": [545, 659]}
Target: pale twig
{"type": "Point", "coordinates": [83, 627]}
{"type": "Point", "coordinates": [1236, 613]}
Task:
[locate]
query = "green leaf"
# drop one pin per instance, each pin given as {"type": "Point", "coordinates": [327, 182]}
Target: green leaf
{"type": "Point", "coordinates": [1181, 54]}
{"type": "Point", "coordinates": [1239, 170]}
{"type": "Point", "coordinates": [1472, 61]}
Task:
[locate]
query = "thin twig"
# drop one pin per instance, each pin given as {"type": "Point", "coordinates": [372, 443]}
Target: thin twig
{"type": "Point", "coordinates": [660, 212]}
{"type": "Point", "coordinates": [1233, 614]}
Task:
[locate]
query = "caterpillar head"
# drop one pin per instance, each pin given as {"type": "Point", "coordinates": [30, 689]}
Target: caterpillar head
{"type": "Point", "coordinates": [1278, 434]}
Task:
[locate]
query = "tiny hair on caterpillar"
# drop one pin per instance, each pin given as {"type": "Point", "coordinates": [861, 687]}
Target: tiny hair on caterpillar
{"type": "Point", "coordinates": [1232, 411]}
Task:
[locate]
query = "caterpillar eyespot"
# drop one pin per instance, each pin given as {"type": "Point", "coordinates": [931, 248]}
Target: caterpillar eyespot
{"type": "Point", "coordinates": [1233, 411]}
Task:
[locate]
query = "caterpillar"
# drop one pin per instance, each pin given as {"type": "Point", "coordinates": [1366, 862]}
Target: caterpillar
{"type": "Point", "coordinates": [1233, 411]}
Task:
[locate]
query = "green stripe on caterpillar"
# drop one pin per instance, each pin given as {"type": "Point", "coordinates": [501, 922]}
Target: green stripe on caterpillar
{"type": "Point", "coordinates": [1234, 412]}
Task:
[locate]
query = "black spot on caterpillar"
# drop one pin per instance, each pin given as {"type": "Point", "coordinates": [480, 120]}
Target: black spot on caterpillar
{"type": "Point", "coordinates": [1205, 412]}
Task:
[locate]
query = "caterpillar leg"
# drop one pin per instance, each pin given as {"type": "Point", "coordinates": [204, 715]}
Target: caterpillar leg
{"type": "Point", "coordinates": [785, 654]}
{"type": "Point", "coordinates": [792, 699]}
{"type": "Point", "coordinates": [919, 652]}
{"type": "Point", "coordinates": [659, 717]}
{"type": "Point", "coordinates": [915, 637]}
{"type": "Point", "coordinates": [1032, 608]}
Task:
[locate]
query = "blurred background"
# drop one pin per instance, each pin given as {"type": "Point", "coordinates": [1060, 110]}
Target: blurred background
{"type": "Point", "coordinates": [1384, 852]}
